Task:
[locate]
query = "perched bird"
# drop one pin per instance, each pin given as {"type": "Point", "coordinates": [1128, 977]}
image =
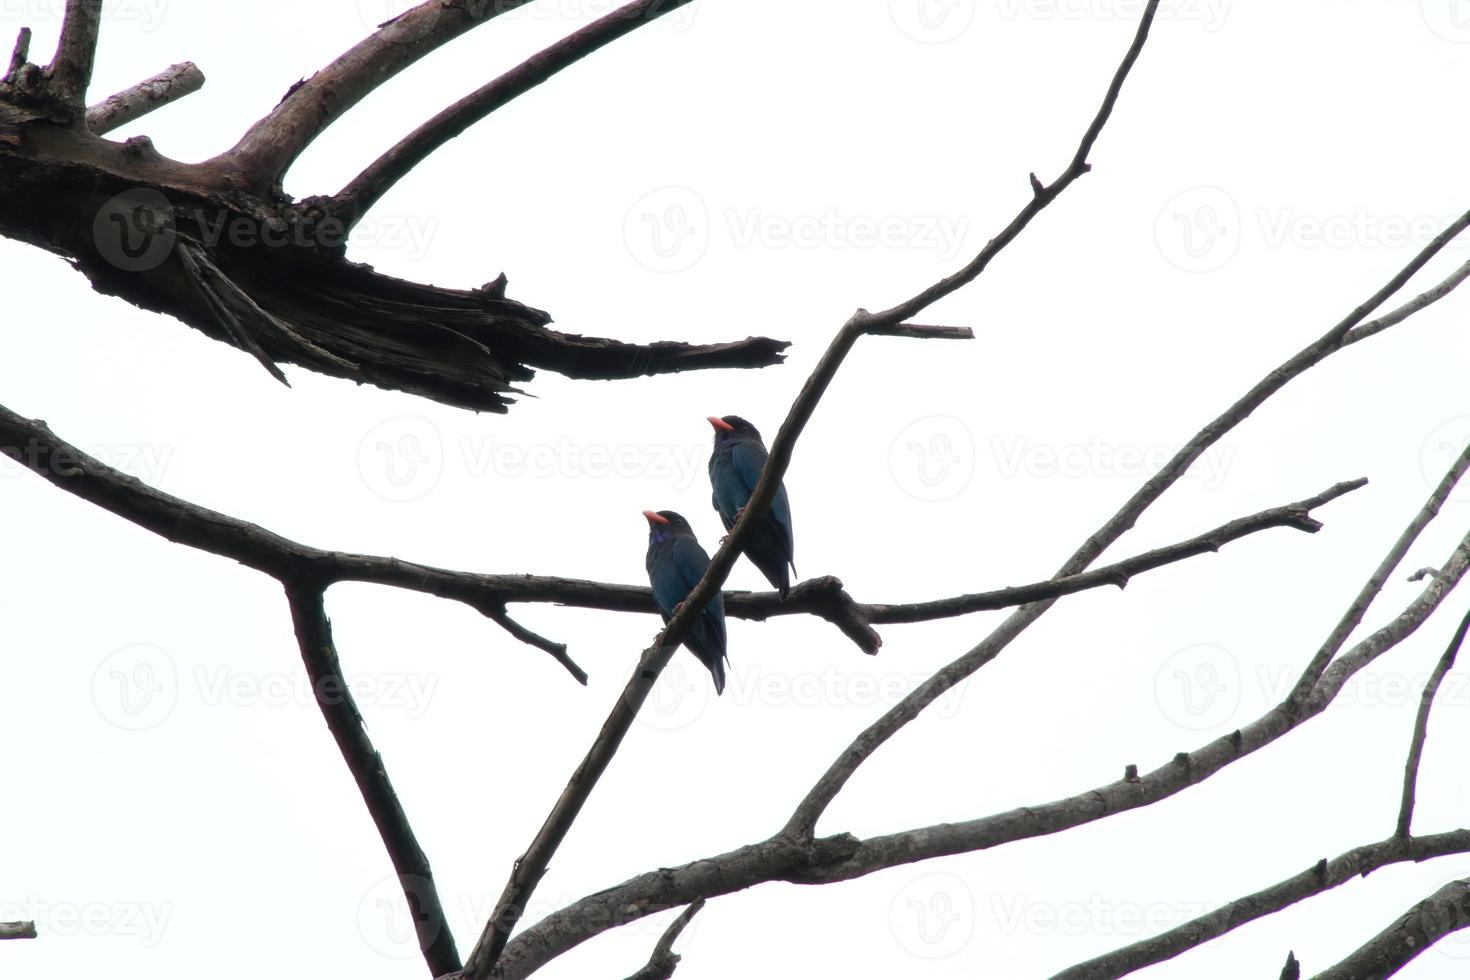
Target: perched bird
{"type": "Point", "coordinates": [675, 565]}
{"type": "Point", "coordinates": [734, 468]}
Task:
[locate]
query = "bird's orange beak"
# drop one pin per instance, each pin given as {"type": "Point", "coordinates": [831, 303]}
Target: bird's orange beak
{"type": "Point", "coordinates": [655, 518]}
{"type": "Point", "coordinates": [720, 424]}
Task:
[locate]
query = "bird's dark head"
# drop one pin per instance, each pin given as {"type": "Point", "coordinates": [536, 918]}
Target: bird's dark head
{"type": "Point", "coordinates": [666, 523]}
{"type": "Point", "coordinates": [732, 426]}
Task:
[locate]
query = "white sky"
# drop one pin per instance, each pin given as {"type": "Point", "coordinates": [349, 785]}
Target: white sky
{"type": "Point", "coordinates": [1308, 149]}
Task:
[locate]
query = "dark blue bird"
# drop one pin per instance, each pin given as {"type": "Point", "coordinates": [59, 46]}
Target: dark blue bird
{"type": "Point", "coordinates": [734, 468]}
{"type": "Point", "coordinates": [675, 565]}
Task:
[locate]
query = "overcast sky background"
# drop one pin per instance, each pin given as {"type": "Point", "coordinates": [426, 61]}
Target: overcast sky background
{"type": "Point", "coordinates": [763, 168]}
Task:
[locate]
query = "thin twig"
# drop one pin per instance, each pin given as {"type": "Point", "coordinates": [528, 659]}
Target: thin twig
{"type": "Point", "coordinates": [558, 651]}
{"type": "Point", "coordinates": [138, 100]}
{"type": "Point", "coordinates": [1320, 877]}
{"type": "Point", "coordinates": [1421, 726]}
{"type": "Point", "coordinates": [1041, 195]}
{"type": "Point", "coordinates": [70, 71]}
{"type": "Point", "coordinates": [1445, 912]}
{"type": "Point", "coordinates": [334, 699]}
{"type": "Point", "coordinates": [662, 963]}
{"type": "Point", "coordinates": [368, 187]}
{"type": "Point", "coordinates": [531, 866]}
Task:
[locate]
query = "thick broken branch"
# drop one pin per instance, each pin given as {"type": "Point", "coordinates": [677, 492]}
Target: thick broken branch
{"type": "Point", "coordinates": [70, 71]}
{"type": "Point", "coordinates": [368, 187]}
{"type": "Point", "coordinates": [135, 102]}
{"type": "Point", "coordinates": [17, 930]}
{"type": "Point", "coordinates": [1320, 877]}
{"type": "Point", "coordinates": [1421, 726]}
{"type": "Point", "coordinates": [334, 699]}
{"type": "Point", "coordinates": [1439, 915]}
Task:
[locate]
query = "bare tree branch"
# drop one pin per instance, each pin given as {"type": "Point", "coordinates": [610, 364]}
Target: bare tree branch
{"type": "Point", "coordinates": [334, 699]}
{"type": "Point", "coordinates": [1292, 970]}
{"type": "Point", "coordinates": [70, 71]}
{"type": "Point", "coordinates": [133, 103]}
{"type": "Point", "coordinates": [1421, 726]}
{"type": "Point", "coordinates": [1444, 912]}
{"type": "Point", "coordinates": [32, 444]}
{"type": "Point", "coordinates": [268, 148]}
{"type": "Point", "coordinates": [664, 961]}
{"type": "Point", "coordinates": [18, 54]}
{"type": "Point", "coordinates": [531, 866]}
{"type": "Point", "coordinates": [368, 187]}
{"type": "Point", "coordinates": [1320, 877]}
{"type": "Point", "coordinates": [17, 930]}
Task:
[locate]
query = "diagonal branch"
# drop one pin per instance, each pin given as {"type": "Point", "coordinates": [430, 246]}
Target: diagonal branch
{"type": "Point", "coordinates": [365, 190]}
{"type": "Point", "coordinates": [662, 963]}
{"type": "Point", "coordinates": [531, 866]}
{"type": "Point", "coordinates": [1439, 915]}
{"type": "Point", "coordinates": [136, 101]}
{"type": "Point", "coordinates": [334, 699]}
{"type": "Point", "coordinates": [70, 71]}
{"type": "Point", "coordinates": [1320, 877]}
{"type": "Point", "coordinates": [1421, 727]}
{"type": "Point", "coordinates": [271, 145]}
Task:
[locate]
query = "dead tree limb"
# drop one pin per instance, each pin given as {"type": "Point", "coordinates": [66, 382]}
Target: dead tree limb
{"type": "Point", "coordinates": [1320, 877]}
{"type": "Point", "coordinates": [1439, 915]}
{"type": "Point", "coordinates": [17, 930]}
{"type": "Point", "coordinates": [219, 246]}
{"type": "Point", "coordinates": [32, 444]}
{"type": "Point", "coordinates": [70, 71]}
{"type": "Point", "coordinates": [368, 187]}
{"type": "Point", "coordinates": [137, 101]}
